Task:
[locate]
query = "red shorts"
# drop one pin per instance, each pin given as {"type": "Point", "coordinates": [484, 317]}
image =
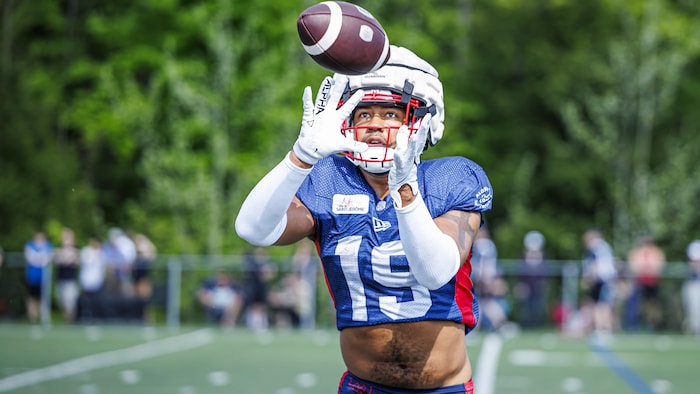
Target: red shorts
{"type": "Point", "coordinates": [351, 384]}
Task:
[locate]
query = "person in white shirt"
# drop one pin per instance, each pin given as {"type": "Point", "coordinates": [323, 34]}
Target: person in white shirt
{"type": "Point", "coordinates": [91, 278]}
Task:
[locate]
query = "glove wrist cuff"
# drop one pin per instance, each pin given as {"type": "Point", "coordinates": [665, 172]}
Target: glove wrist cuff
{"type": "Point", "coordinates": [396, 193]}
{"type": "Point", "coordinates": [302, 155]}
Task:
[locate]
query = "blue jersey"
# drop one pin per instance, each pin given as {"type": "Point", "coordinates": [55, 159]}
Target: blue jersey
{"type": "Point", "coordinates": [357, 237]}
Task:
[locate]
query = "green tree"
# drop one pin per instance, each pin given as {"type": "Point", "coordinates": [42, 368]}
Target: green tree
{"type": "Point", "coordinates": [41, 183]}
{"type": "Point", "coordinates": [191, 93]}
{"type": "Point", "coordinates": [531, 65]}
{"type": "Point", "coordinates": [623, 120]}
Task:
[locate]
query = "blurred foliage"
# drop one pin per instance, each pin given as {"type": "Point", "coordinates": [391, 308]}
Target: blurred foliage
{"type": "Point", "coordinates": [159, 116]}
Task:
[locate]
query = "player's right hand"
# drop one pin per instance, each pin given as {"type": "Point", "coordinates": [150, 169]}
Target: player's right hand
{"type": "Point", "coordinates": [320, 134]}
{"type": "Point", "coordinates": [406, 158]}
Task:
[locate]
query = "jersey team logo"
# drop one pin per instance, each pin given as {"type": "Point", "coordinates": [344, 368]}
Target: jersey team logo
{"type": "Point", "coordinates": [355, 204]}
{"type": "Point", "coordinates": [483, 198]}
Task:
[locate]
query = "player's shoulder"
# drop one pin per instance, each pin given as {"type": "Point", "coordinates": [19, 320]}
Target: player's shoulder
{"type": "Point", "coordinates": [457, 180]}
{"type": "Point", "coordinates": [452, 165]}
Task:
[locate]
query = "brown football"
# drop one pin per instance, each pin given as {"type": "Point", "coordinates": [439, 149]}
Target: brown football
{"type": "Point", "coordinates": [343, 37]}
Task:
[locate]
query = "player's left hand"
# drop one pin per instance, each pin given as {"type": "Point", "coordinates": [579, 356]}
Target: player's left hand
{"type": "Point", "coordinates": [406, 158]}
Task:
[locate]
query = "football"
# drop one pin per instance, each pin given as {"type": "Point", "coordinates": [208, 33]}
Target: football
{"type": "Point", "coordinates": [343, 37]}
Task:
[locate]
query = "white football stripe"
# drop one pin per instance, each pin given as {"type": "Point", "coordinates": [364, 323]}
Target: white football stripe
{"type": "Point", "coordinates": [487, 367]}
{"type": "Point", "coordinates": [331, 33]}
{"type": "Point", "coordinates": [384, 54]}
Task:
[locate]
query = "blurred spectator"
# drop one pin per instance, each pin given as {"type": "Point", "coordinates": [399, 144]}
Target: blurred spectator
{"type": "Point", "coordinates": [38, 254]}
{"type": "Point", "coordinates": [67, 260]}
{"type": "Point", "coordinates": [690, 292]}
{"type": "Point", "coordinates": [531, 289]}
{"type": "Point", "coordinates": [599, 279]}
{"type": "Point", "coordinates": [120, 252]}
{"type": "Point", "coordinates": [258, 270]}
{"type": "Point", "coordinates": [489, 285]}
{"type": "Point", "coordinates": [221, 298]}
{"type": "Point", "coordinates": [285, 299]}
{"type": "Point", "coordinates": [145, 255]}
{"type": "Point", "coordinates": [306, 265]}
{"type": "Point", "coordinates": [92, 278]}
{"type": "Point", "coordinates": [646, 262]}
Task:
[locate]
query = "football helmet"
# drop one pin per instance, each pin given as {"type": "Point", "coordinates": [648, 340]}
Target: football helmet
{"type": "Point", "coordinates": [406, 81]}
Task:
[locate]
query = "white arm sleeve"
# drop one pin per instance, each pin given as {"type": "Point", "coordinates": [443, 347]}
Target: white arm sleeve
{"type": "Point", "coordinates": [433, 256]}
{"type": "Point", "coordinates": [263, 215]}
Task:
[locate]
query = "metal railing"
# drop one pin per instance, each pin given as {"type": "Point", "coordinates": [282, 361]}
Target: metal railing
{"type": "Point", "coordinates": [176, 278]}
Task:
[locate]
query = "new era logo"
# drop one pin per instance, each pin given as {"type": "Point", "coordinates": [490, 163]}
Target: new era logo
{"type": "Point", "coordinates": [380, 225]}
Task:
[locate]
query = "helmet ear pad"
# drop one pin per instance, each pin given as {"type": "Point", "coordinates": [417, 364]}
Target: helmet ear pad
{"type": "Point", "coordinates": [419, 113]}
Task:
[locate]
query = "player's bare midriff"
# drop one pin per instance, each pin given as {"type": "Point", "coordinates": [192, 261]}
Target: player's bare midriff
{"type": "Point", "coordinates": [419, 355]}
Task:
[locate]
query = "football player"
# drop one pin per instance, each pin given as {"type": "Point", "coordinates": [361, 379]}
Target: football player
{"type": "Point", "coordinates": [394, 233]}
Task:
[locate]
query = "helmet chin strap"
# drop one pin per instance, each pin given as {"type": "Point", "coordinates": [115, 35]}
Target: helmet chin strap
{"type": "Point", "coordinates": [375, 159]}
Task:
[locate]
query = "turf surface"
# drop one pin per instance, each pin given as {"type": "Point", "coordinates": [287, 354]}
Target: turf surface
{"type": "Point", "coordinates": [196, 360]}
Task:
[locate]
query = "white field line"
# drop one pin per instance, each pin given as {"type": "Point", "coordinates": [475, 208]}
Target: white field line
{"type": "Point", "coordinates": [108, 359]}
{"type": "Point", "coordinates": [485, 379]}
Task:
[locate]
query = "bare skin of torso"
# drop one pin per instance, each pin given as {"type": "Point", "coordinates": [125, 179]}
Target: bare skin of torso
{"type": "Point", "coordinates": [419, 355]}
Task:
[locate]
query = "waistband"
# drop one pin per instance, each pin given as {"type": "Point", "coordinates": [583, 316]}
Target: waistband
{"type": "Point", "coordinates": [351, 384]}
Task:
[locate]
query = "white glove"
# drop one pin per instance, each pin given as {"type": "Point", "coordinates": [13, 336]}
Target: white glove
{"type": "Point", "coordinates": [406, 158]}
{"type": "Point", "coordinates": [320, 134]}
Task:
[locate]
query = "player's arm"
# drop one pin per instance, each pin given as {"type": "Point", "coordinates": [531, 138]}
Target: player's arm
{"type": "Point", "coordinates": [435, 248]}
{"type": "Point", "coordinates": [300, 224]}
{"type": "Point", "coordinates": [462, 228]}
{"type": "Point", "coordinates": [263, 217]}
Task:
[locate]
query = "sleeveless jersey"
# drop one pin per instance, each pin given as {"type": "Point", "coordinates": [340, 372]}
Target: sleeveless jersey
{"type": "Point", "coordinates": [357, 238]}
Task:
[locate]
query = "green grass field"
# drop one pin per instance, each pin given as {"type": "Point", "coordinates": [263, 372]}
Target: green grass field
{"type": "Point", "coordinates": [115, 359]}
